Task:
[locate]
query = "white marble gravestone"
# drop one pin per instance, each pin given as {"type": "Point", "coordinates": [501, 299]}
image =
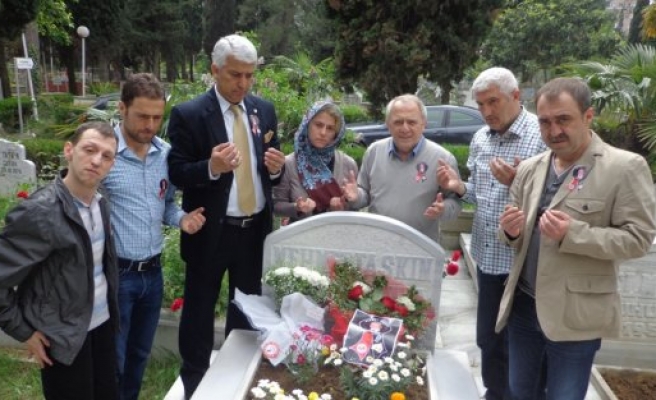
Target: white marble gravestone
{"type": "Point", "coordinates": [374, 242]}
{"type": "Point", "coordinates": [370, 241]}
{"type": "Point", "coordinates": [14, 168]}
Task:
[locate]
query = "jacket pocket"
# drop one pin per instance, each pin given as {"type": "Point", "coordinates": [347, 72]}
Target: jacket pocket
{"type": "Point", "coordinates": [590, 302]}
{"type": "Point", "coordinates": [587, 210]}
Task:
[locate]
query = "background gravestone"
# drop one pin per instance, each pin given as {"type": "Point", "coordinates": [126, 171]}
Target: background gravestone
{"type": "Point", "coordinates": [372, 242]}
{"type": "Point", "coordinates": [14, 168]}
{"type": "Point", "coordinates": [636, 346]}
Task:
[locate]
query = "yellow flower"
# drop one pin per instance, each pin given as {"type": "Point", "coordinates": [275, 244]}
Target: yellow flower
{"type": "Point", "coordinates": [325, 351]}
{"type": "Point", "coordinates": [397, 396]}
{"type": "Point", "coordinates": [313, 396]}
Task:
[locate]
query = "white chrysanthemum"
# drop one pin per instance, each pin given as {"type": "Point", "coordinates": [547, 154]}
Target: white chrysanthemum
{"type": "Point", "coordinates": [367, 374]}
{"type": "Point", "coordinates": [263, 382]}
{"type": "Point", "coordinates": [420, 381]}
{"type": "Point", "coordinates": [383, 375]}
{"type": "Point", "coordinates": [405, 372]}
{"type": "Point", "coordinates": [402, 345]}
{"type": "Point", "coordinates": [297, 392]}
{"type": "Point", "coordinates": [333, 347]}
{"type": "Point", "coordinates": [401, 355]}
{"type": "Point", "coordinates": [326, 396]}
{"type": "Point", "coordinates": [378, 362]}
{"type": "Point", "coordinates": [298, 271]}
{"type": "Point", "coordinates": [280, 396]}
{"type": "Point", "coordinates": [282, 271]}
{"type": "Point", "coordinates": [405, 300]}
{"type": "Point", "coordinates": [409, 337]}
{"type": "Point", "coordinates": [258, 393]}
{"type": "Point", "coordinates": [369, 359]}
{"type": "Point", "coordinates": [373, 369]}
{"type": "Point", "coordinates": [338, 362]}
{"type": "Point", "coordinates": [378, 347]}
{"type": "Point", "coordinates": [388, 360]}
{"type": "Point", "coordinates": [373, 381]}
{"type": "Point", "coordinates": [394, 367]}
{"type": "Point", "coordinates": [396, 378]}
{"type": "Point", "coordinates": [343, 350]}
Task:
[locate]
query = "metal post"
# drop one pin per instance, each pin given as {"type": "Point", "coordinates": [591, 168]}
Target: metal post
{"type": "Point", "coordinates": [83, 32]}
{"type": "Point", "coordinates": [29, 81]}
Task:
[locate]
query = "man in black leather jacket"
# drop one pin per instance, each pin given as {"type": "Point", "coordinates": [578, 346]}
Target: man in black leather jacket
{"type": "Point", "coordinates": [58, 273]}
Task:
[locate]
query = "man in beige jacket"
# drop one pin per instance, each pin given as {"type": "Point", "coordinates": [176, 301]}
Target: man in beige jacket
{"type": "Point", "coordinates": [576, 211]}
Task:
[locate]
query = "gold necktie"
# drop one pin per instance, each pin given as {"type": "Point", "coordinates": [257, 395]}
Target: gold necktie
{"type": "Point", "coordinates": [243, 173]}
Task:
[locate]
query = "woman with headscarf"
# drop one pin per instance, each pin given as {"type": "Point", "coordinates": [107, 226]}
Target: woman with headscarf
{"type": "Point", "coordinates": [310, 183]}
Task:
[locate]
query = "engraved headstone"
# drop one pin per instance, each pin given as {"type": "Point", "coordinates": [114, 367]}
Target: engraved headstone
{"type": "Point", "coordinates": [14, 168]}
{"type": "Point", "coordinates": [372, 242]}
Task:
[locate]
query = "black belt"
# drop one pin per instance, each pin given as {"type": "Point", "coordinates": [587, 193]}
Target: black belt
{"type": "Point", "coordinates": [139, 266]}
{"type": "Point", "coordinates": [243, 222]}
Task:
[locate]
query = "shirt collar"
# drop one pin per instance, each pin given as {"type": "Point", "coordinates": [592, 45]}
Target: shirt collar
{"type": "Point", "coordinates": [122, 145]}
{"type": "Point", "coordinates": [225, 104]}
{"type": "Point", "coordinates": [516, 128]}
{"type": "Point", "coordinates": [391, 148]}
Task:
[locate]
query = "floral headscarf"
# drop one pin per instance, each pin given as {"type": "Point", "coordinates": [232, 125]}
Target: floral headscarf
{"type": "Point", "coordinates": [314, 164]}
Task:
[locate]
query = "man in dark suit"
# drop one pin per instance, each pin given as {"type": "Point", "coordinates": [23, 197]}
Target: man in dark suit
{"type": "Point", "coordinates": [225, 157]}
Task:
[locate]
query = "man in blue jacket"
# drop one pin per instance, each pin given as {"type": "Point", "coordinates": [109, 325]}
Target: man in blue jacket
{"type": "Point", "coordinates": [58, 274]}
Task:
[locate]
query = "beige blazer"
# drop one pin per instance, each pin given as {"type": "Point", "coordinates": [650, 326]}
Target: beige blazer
{"type": "Point", "coordinates": [613, 214]}
{"type": "Point", "coordinates": [290, 188]}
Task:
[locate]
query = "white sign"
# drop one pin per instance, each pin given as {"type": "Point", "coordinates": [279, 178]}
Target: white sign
{"type": "Point", "coordinates": [24, 62]}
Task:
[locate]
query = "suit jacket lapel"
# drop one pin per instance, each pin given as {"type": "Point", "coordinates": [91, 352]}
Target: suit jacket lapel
{"type": "Point", "coordinates": [214, 117]}
{"type": "Point", "coordinates": [587, 162]}
{"type": "Point", "coordinates": [535, 192]}
{"type": "Point", "coordinates": [254, 121]}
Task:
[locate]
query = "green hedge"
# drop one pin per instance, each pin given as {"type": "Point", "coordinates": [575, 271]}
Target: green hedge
{"type": "Point", "coordinates": [46, 154]}
{"type": "Point", "coordinates": [461, 153]}
{"type": "Point", "coordinates": [9, 112]}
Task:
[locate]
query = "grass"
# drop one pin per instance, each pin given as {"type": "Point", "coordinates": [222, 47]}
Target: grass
{"type": "Point", "coordinates": [20, 379]}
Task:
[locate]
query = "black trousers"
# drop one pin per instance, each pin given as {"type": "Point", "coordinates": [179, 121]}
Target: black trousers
{"type": "Point", "coordinates": [92, 376]}
{"type": "Point", "coordinates": [239, 253]}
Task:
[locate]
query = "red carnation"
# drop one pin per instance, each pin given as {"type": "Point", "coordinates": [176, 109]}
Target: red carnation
{"type": "Point", "coordinates": [401, 309]}
{"type": "Point", "coordinates": [22, 194]}
{"type": "Point", "coordinates": [177, 304]}
{"type": "Point", "coordinates": [300, 359]}
{"type": "Point", "coordinates": [455, 256]}
{"type": "Point", "coordinates": [452, 268]}
{"type": "Point", "coordinates": [355, 293]}
{"type": "Point", "coordinates": [389, 303]}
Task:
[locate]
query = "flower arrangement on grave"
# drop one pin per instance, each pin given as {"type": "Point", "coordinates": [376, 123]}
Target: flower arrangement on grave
{"type": "Point", "coordinates": [397, 377]}
{"type": "Point", "coordinates": [287, 280]}
{"type": "Point", "coordinates": [351, 289]}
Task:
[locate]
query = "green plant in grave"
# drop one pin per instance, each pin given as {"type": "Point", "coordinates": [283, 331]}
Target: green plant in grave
{"type": "Point", "coordinates": [173, 271]}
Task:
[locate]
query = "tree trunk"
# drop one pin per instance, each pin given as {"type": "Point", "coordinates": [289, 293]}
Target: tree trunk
{"type": "Point", "coordinates": [67, 56]}
{"type": "Point", "coordinates": [4, 73]}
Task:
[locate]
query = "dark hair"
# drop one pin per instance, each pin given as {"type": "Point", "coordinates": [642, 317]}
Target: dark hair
{"type": "Point", "coordinates": [575, 87]}
{"type": "Point", "coordinates": [142, 85]}
{"type": "Point", "coordinates": [104, 128]}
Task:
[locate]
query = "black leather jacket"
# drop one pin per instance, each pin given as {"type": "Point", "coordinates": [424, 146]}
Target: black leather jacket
{"type": "Point", "coordinates": [46, 271]}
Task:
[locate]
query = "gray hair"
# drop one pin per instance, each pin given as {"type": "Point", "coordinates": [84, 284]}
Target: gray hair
{"type": "Point", "coordinates": [496, 76]}
{"type": "Point", "coordinates": [406, 98]}
{"type": "Point", "coordinates": [236, 46]}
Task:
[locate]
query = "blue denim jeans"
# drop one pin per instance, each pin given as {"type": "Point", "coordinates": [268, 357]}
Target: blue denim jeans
{"type": "Point", "coordinates": [494, 346]}
{"type": "Point", "coordinates": [568, 362]}
{"type": "Point", "coordinates": [140, 300]}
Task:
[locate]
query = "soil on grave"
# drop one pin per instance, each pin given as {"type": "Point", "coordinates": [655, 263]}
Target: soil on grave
{"type": "Point", "coordinates": [631, 384]}
{"type": "Point", "coordinates": [326, 381]}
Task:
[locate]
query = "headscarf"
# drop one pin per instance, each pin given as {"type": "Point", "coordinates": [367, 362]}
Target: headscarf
{"type": "Point", "coordinates": [314, 164]}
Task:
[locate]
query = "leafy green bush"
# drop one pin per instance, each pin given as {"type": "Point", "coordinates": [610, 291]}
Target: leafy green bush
{"type": "Point", "coordinates": [56, 107]}
{"type": "Point", "coordinates": [461, 153]}
{"type": "Point", "coordinates": [173, 271]}
{"type": "Point", "coordinates": [9, 112]}
{"type": "Point", "coordinates": [100, 88]}
{"type": "Point", "coordinates": [46, 155]}
{"type": "Point", "coordinates": [354, 113]}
